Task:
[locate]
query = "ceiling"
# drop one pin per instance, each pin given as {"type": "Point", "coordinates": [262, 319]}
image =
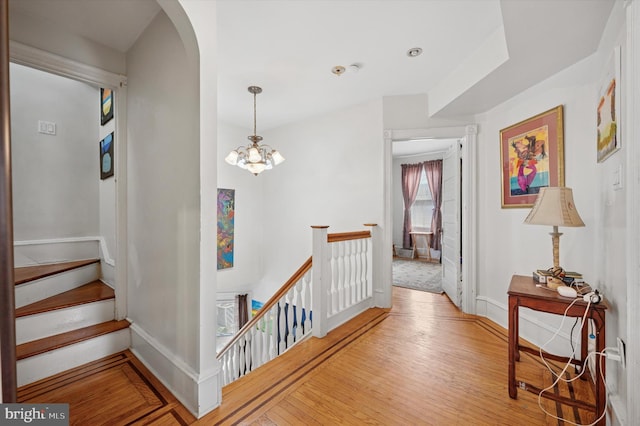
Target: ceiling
{"type": "Point", "coordinates": [476, 53]}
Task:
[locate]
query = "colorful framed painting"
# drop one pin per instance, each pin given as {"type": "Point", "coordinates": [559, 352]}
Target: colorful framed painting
{"type": "Point", "coordinates": [106, 156]}
{"type": "Point", "coordinates": [106, 105]}
{"type": "Point", "coordinates": [532, 157]}
{"type": "Point", "coordinates": [226, 211]}
{"type": "Point", "coordinates": [608, 111]}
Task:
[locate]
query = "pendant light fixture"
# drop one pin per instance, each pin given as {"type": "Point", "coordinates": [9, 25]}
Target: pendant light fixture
{"type": "Point", "coordinates": [253, 157]}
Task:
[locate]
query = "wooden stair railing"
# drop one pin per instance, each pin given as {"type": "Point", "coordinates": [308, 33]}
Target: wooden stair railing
{"type": "Point", "coordinates": [276, 326]}
{"type": "Point", "coordinates": [338, 288]}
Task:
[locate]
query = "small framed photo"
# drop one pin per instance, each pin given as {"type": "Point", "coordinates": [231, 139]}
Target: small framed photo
{"type": "Point", "coordinates": [106, 105]}
{"type": "Point", "coordinates": [532, 157]}
{"type": "Point", "coordinates": [608, 112]}
{"type": "Point", "coordinates": [106, 156]}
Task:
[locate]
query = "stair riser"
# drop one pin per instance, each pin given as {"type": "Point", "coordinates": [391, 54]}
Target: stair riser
{"type": "Point", "coordinates": [34, 327]}
{"type": "Point", "coordinates": [47, 364]}
{"type": "Point", "coordinates": [34, 291]}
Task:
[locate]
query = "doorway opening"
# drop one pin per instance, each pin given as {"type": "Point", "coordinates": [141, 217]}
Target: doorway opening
{"type": "Point", "coordinates": [458, 210]}
{"type": "Point", "coordinates": [417, 261]}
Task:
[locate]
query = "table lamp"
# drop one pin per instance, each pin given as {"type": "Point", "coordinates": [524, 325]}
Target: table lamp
{"type": "Point", "coordinates": [554, 206]}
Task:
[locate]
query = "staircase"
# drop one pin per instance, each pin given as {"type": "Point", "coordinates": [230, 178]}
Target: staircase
{"type": "Point", "coordinates": [65, 317]}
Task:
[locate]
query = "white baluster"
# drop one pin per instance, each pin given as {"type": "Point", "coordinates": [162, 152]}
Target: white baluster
{"type": "Point", "coordinates": [348, 280]}
{"type": "Point", "coordinates": [272, 329]}
{"type": "Point", "coordinates": [307, 301]}
{"type": "Point", "coordinates": [362, 253]}
{"type": "Point", "coordinates": [355, 262]}
{"type": "Point", "coordinates": [298, 309]}
{"type": "Point", "coordinates": [256, 348]}
{"type": "Point", "coordinates": [290, 308]}
{"type": "Point", "coordinates": [335, 278]}
{"type": "Point", "coordinates": [281, 328]}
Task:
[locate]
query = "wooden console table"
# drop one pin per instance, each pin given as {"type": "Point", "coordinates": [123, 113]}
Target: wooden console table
{"type": "Point", "coordinates": [524, 293]}
{"type": "Point", "coordinates": [427, 237]}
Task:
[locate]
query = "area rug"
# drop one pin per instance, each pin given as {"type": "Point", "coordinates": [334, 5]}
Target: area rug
{"type": "Point", "coordinates": [417, 275]}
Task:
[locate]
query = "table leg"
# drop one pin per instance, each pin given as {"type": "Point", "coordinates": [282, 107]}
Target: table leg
{"type": "Point", "coordinates": [428, 238]}
{"type": "Point", "coordinates": [601, 396]}
{"type": "Point", "coordinates": [513, 345]}
{"type": "Point", "coordinates": [584, 345]}
{"type": "Point", "coordinates": [414, 252]}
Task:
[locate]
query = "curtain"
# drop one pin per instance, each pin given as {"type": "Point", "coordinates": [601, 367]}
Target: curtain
{"type": "Point", "coordinates": [410, 182]}
{"type": "Point", "coordinates": [243, 310]}
{"type": "Point", "coordinates": [433, 170]}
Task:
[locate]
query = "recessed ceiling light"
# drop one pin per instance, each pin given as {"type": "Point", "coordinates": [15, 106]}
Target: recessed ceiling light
{"type": "Point", "coordinates": [413, 52]}
{"type": "Point", "coordinates": [338, 70]}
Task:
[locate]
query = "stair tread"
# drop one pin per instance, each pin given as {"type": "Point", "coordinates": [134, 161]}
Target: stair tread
{"type": "Point", "coordinates": [91, 292]}
{"type": "Point", "coordinates": [50, 343]}
{"type": "Point", "coordinates": [30, 273]}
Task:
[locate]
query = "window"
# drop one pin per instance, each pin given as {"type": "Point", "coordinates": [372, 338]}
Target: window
{"type": "Point", "coordinates": [422, 208]}
{"type": "Point", "coordinates": [227, 321]}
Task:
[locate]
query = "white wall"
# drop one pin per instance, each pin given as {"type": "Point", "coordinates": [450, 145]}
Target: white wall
{"type": "Point", "coordinates": [107, 201]}
{"type": "Point", "coordinates": [507, 246]}
{"type": "Point", "coordinates": [55, 177]}
{"type": "Point", "coordinates": [164, 207]}
{"type": "Point", "coordinates": [411, 112]}
{"type": "Point", "coordinates": [612, 225]}
{"type": "Point", "coordinates": [49, 37]}
{"type": "Point", "coordinates": [397, 202]}
{"type": "Point", "coordinates": [249, 217]}
{"type": "Point", "coordinates": [333, 175]}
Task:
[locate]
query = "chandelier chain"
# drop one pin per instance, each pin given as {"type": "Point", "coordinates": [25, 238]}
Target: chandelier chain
{"type": "Point", "coordinates": [254, 114]}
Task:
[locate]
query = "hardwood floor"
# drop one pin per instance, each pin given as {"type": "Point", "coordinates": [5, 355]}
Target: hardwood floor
{"type": "Point", "coordinates": [421, 362]}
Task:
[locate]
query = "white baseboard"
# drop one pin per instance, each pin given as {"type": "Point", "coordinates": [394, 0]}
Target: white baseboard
{"type": "Point", "coordinates": [340, 318]}
{"type": "Point", "coordinates": [52, 250]}
{"type": "Point", "coordinates": [535, 327]}
{"type": "Point", "coordinates": [199, 393]}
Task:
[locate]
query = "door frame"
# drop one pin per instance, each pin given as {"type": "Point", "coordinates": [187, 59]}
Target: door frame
{"type": "Point", "coordinates": [468, 135]}
{"type": "Point", "coordinates": [45, 61]}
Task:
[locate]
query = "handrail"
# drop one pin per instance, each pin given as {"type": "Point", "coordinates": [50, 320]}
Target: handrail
{"type": "Point", "coordinates": [345, 236]}
{"type": "Point", "coordinates": [306, 266]}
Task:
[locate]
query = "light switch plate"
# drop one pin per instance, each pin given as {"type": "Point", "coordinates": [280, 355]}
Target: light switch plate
{"type": "Point", "coordinates": [617, 178]}
{"type": "Point", "coordinates": [46, 127]}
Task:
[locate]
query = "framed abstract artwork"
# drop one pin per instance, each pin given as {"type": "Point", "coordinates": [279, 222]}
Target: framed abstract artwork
{"type": "Point", "coordinates": [106, 105]}
{"type": "Point", "coordinates": [532, 157]}
{"type": "Point", "coordinates": [608, 111]}
{"type": "Point", "coordinates": [226, 212]}
{"type": "Point", "coordinates": [106, 156]}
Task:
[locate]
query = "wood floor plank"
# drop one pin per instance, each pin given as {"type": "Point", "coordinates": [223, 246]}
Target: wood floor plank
{"type": "Point", "coordinates": [118, 390]}
{"type": "Point", "coordinates": [91, 292]}
{"type": "Point", "coordinates": [30, 273]}
{"type": "Point", "coordinates": [420, 363]}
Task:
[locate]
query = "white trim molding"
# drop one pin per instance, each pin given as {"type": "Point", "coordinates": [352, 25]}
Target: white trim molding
{"type": "Point", "coordinates": [468, 134]}
{"type": "Point", "coordinates": [632, 137]}
{"type": "Point", "coordinates": [199, 393]}
{"type": "Point", "coordinates": [55, 64]}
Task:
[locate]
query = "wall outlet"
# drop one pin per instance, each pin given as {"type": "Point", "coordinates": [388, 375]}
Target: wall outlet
{"type": "Point", "coordinates": [621, 352]}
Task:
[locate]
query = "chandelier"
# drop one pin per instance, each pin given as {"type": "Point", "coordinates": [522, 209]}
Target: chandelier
{"type": "Point", "coordinates": [253, 157]}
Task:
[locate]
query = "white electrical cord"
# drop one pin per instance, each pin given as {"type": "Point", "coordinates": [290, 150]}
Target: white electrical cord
{"type": "Point", "coordinates": [582, 370]}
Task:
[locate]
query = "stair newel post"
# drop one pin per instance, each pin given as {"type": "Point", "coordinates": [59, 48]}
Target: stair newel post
{"type": "Point", "coordinates": [321, 280]}
{"type": "Point", "coordinates": [7, 295]}
{"type": "Point", "coordinates": [372, 273]}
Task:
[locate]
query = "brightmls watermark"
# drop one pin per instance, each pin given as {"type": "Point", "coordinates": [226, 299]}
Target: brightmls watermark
{"type": "Point", "coordinates": [34, 414]}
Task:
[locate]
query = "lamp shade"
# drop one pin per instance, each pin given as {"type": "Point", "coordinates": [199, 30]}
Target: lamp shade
{"type": "Point", "coordinates": [554, 206]}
